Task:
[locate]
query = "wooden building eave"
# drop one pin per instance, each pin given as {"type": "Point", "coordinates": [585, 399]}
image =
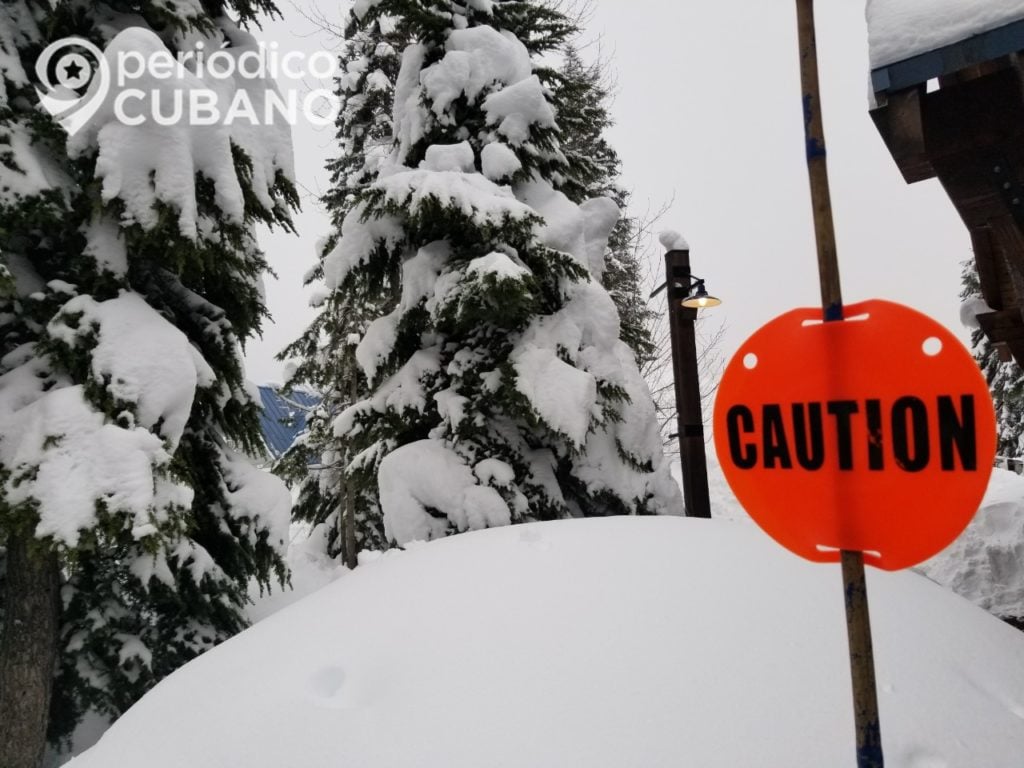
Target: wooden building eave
{"type": "Point", "coordinates": [969, 134]}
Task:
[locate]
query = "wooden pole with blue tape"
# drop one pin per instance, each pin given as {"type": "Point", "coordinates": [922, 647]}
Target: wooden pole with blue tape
{"type": "Point", "coordinates": [858, 624]}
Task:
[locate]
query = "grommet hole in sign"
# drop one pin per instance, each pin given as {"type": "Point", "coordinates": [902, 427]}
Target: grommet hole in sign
{"type": "Point", "coordinates": [932, 346]}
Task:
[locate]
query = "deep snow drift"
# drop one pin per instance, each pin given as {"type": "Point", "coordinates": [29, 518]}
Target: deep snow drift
{"type": "Point", "coordinates": [986, 564]}
{"type": "Point", "coordinates": [601, 643]}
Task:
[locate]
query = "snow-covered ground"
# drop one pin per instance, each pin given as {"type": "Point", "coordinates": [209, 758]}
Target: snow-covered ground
{"type": "Point", "coordinates": [602, 642]}
{"type": "Point", "coordinates": [986, 564]}
{"type": "Point", "coordinates": [311, 569]}
{"type": "Point", "coordinates": [900, 29]}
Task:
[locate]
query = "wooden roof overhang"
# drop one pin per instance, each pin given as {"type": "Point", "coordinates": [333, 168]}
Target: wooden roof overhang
{"type": "Point", "coordinates": [969, 133]}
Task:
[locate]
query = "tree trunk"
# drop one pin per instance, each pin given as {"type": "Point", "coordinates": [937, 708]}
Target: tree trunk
{"type": "Point", "coordinates": [350, 552]}
{"type": "Point", "coordinates": [28, 653]}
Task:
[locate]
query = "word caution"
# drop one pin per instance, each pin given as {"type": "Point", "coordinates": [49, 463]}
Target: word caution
{"type": "Point", "coordinates": [909, 433]}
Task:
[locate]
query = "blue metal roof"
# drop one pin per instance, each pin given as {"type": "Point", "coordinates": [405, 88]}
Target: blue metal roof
{"type": "Point", "coordinates": [284, 417]}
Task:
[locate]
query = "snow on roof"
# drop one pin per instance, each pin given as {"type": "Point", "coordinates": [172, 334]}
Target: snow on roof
{"type": "Point", "coordinates": [604, 643]}
{"type": "Point", "coordinates": [901, 29]}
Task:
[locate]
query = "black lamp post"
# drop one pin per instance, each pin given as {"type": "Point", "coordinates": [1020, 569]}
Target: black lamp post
{"type": "Point", "coordinates": [686, 295]}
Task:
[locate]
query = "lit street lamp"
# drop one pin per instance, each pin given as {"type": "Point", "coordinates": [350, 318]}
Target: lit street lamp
{"type": "Point", "coordinates": [686, 295]}
{"type": "Point", "coordinates": [699, 298]}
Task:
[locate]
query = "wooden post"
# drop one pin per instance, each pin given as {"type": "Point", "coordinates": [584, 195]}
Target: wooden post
{"type": "Point", "coordinates": [817, 165]}
{"type": "Point", "coordinates": [690, 420]}
{"type": "Point", "coordinates": [858, 623]}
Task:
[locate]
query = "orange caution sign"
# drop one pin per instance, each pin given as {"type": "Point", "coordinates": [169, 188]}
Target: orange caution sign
{"type": "Point", "coordinates": [873, 434]}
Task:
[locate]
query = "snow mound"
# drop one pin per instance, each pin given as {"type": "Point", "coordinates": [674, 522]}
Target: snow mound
{"type": "Point", "coordinates": [986, 564]}
{"type": "Point", "coordinates": [454, 157]}
{"type": "Point", "coordinates": [603, 642]}
{"type": "Point", "coordinates": [426, 474]}
{"type": "Point", "coordinates": [499, 161]}
{"type": "Point", "coordinates": [901, 29]}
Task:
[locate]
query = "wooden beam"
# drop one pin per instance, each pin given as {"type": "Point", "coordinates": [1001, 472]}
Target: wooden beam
{"type": "Point", "coordinates": [987, 261]}
{"type": "Point", "coordinates": [977, 181]}
{"type": "Point", "coordinates": [1003, 326]}
{"type": "Point", "coordinates": [1008, 238]}
{"type": "Point", "coordinates": [899, 121]}
{"type": "Point", "coordinates": [976, 115]}
{"type": "Point", "coordinates": [1017, 351]}
{"type": "Point", "coordinates": [974, 71]}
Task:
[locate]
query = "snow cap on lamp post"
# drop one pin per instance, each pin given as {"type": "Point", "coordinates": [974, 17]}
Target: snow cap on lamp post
{"type": "Point", "coordinates": [673, 241]}
{"type": "Point", "coordinates": [698, 296]}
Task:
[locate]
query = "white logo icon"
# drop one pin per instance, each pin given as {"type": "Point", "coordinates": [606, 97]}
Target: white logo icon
{"type": "Point", "coordinates": [72, 96]}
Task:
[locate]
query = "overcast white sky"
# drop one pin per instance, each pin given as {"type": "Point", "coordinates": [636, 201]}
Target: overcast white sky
{"type": "Point", "coordinates": [709, 115]}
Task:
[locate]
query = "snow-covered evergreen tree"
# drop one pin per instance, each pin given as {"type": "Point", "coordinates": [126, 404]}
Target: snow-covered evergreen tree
{"type": "Point", "coordinates": [125, 416]}
{"type": "Point", "coordinates": [324, 354]}
{"type": "Point", "coordinates": [582, 97]}
{"type": "Point", "coordinates": [500, 388]}
{"type": "Point", "coordinates": [1005, 378]}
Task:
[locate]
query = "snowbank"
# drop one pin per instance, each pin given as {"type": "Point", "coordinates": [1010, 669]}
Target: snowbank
{"type": "Point", "coordinates": [602, 643]}
{"type": "Point", "coordinates": [900, 29]}
{"type": "Point", "coordinates": [986, 564]}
